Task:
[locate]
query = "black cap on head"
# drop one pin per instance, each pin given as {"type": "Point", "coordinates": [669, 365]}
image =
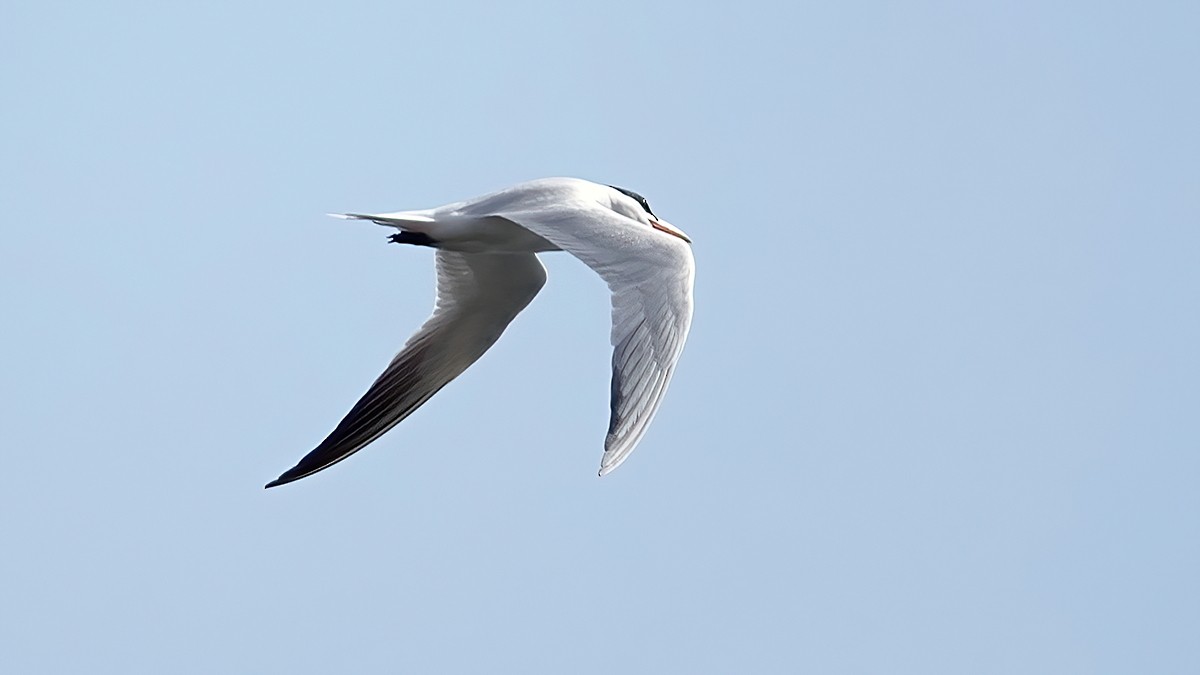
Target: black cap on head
{"type": "Point", "coordinates": [636, 197]}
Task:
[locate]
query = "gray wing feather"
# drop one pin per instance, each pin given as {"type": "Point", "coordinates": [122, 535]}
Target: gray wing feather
{"type": "Point", "coordinates": [651, 275]}
{"type": "Point", "coordinates": [478, 295]}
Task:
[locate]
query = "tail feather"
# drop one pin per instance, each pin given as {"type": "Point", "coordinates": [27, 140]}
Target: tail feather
{"type": "Point", "coordinates": [402, 219]}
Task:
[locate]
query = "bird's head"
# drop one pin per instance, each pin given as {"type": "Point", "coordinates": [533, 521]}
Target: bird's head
{"type": "Point", "coordinates": [630, 204]}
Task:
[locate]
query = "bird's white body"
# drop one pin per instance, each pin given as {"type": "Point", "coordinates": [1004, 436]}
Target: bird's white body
{"type": "Point", "coordinates": [487, 273]}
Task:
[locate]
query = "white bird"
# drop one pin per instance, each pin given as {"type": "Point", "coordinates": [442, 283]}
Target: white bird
{"type": "Point", "coordinates": [487, 272]}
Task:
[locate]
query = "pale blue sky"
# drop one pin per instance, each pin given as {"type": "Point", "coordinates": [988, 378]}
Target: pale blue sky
{"type": "Point", "coordinates": [938, 413]}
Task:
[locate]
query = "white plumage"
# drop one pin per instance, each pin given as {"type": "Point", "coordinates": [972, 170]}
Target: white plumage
{"type": "Point", "coordinates": [487, 272]}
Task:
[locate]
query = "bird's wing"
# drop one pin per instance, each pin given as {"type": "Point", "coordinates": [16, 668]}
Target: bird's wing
{"type": "Point", "coordinates": [478, 295]}
{"type": "Point", "coordinates": [650, 274]}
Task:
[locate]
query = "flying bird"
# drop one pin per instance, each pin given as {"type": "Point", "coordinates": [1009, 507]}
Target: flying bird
{"type": "Point", "coordinates": [488, 271]}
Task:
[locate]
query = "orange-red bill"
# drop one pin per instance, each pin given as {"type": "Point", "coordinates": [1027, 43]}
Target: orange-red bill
{"type": "Point", "coordinates": [669, 229]}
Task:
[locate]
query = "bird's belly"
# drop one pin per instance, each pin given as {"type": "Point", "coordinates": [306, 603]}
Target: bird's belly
{"type": "Point", "coordinates": [490, 235]}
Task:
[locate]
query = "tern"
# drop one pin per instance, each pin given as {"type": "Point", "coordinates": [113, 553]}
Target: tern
{"type": "Point", "coordinates": [488, 271]}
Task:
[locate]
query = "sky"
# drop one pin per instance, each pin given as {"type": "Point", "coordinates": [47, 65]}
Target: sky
{"type": "Point", "coordinates": [938, 412]}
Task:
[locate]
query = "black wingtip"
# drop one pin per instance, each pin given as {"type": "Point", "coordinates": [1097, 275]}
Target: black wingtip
{"type": "Point", "coordinates": [286, 478]}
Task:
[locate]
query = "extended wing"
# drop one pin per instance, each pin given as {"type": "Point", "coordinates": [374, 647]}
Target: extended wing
{"type": "Point", "coordinates": [650, 274]}
{"type": "Point", "coordinates": [478, 295]}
